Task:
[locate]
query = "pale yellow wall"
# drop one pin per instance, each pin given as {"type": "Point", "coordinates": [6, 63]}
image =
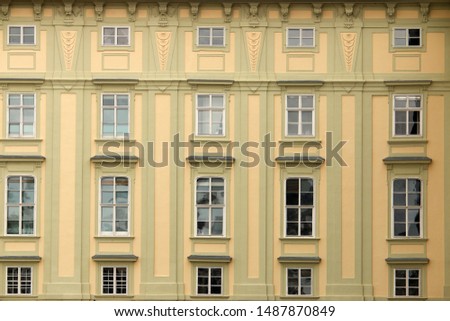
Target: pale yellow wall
{"type": "Point", "coordinates": [322, 218]}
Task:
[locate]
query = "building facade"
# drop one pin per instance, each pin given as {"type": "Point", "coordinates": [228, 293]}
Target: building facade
{"type": "Point", "coordinates": [238, 150]}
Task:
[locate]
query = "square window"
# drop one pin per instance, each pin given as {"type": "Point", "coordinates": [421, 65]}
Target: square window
{"type": "Point", "coordinates": [21, 35]}
{"type": "Point", "coordinates": [300, 37]}
{"type": "Point", "coordinates": [18, 280]}
{"type": "Point", "coordinates": [407, 282]}
{"type": "Point", "coordinates": [116, 36]}
{"type": "Point", "coordinates": [114, 280]}
{"type": "Point", "coordinates": [407, 37]}
{"type": "Point", "coordinates": [209, 281]}
{"type": "Point", "coordinates": [211, 36]}
{"type": "Point", "coordinates": [299, 281]}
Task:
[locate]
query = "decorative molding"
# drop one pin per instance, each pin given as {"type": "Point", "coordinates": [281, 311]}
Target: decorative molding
{"type": "Point", "coordinates": [227, 6]}
{"type": "Point", "coordinates": [299, 259]}
{"type": "Point", "coordinates": [390, 11]}
{"type": "Point", "coordinates": [37, 9]}
{"type": "Point", "coordinates": [68, 40]}
{"type": "Point", "coordinates": [162, 8]}
{"type": "Point", "coordinates": [132, 11]}
{"type": "Point", "coordinates": [254, 41]}
{"type": "Point", "coordinates": [407, 260]}
{"type": "Point", "coordinates": [68, 11]}
{"type": "Point", "coordinates": [4, 14]}
{"type": "Point", "coordinates": [348, 40]}
{"type": "Point", "coordinates": [349, 14]}
{"type": "Point", "coordinates": [194, 10]}
{"type": "Point", "coordinates": [115, 258]}
{"type": "Point", "coordinates": [253, 13]}
{"type": "Point", "coordinates": [284, 10]}
{"type": "Point", "coordinates": [317, 10]}
{"type": "Point", "coordinates": [424, 10]}
{"type": "Point", "coordinates": [163, 45]}
{"type": "Point", "coordinates": [98, 8]}
{"type": "Point", "coordinates": [209, 258]}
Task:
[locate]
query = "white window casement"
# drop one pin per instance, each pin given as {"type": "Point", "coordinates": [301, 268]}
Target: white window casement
{"type": "Point", "coordinates": [114, 280]}
{"type": "Point", "coordinates": [18, 280]}
{"type": "Point", "coordinates": [407, 282]}
{"type": "Point", "coordinates": [20, 205]}
{"type": "Point", "coordinates": [300, 37]}
{"type": "Point", "coordinates": [21, 35]}
{"type": "Point", "coordinates": [299, 281]}
{"type": "Point", "coordinates": [211, 36]}
{"type": "Point", "coordinates": [21, 115]}
{"type": "Point", "coordinates": [407, 37]}
{"type": "Point", "coordinates": [407, 115]}
{"type": "Point", "coordinates": [210, 206]}
{"type": "Point", "coordinates": [114, 206]}
{"type": "Point", "coordinates": [299, 207]}
{"type": "Point", "coordinates": [300, 115]}
{"type": "Point", "coordinates": [210, 114]}
{"type": "Point", "coordinates": [407, 207]}
{"type": "Point", "coordinates": [209, 281]}
{"type": "Point", "coordinates": [116, 36]}
{"type": "Point", "coordinates": [115, 115]}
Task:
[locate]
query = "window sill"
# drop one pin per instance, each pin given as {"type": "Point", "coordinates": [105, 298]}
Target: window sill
{"type": "Point", "coordinates": [301, 140]}
{"type": "Point", "coordinates": [407, 298]}
{"type": "Point", "coordinates": [210, 139]}
{"type": "Point", "coordinates": [299, 297]}
{"type": "Point", "coordinates": [212, 238]}
{"type": "Point", "coordinates": [299, 238]}
{"type": "Point", "coordinates": [210, 297]}
{"type": "Point", "coordinates": [112, 139]}
{"type": "Point", "coordinates": [112, 238]}
{"type": "Point", "coordinates": [20, 237]}
{"type": "Point", "coordinates": [408, 239]}
{"type": "Point", "coordinates": [113, 297]}
{"type": "Point", "coordinates": [407, 141]}
{"type": "Point", "coordinates": [19, 297]}
{"type": "Point", "coordinates": [21, 139]}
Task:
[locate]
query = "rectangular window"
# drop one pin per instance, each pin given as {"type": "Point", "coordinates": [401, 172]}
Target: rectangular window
{"type": "Point", "coordinates": [115, 115]}
{"type": "Point", "coordinates": [407, 282]}
{"type": "Point", "coordinates": [209, 281]}
{"type": "Point", "coordinates": [407, 207]}
{"type": "Point", "coordinates": [21, 35]}
{"type": "Point", "coordinates": [300, 37]}
{"type": "Point", "coordinates": [300, 115]}
{"type": "Point", "coordinates": [211, 36]}
{"type": "Point", "coordinates": [21, 115]}
{"type": "Point", "coordinates": [210, 114]}
{"type": "Point", "coordinates": [116, 36]}
{"type": "Point", "coordinates": [407, 37]}
{"type": "Point", "coordinates": [20, 205]}
{"type": "Point", "coordinates": [18, 280]}
{"type": "Point", "coordinates": [407, 115]}
{"type": "Point", "coordinates": [210, 206]}
{"type": "Point", "coordinates": [299, 207]}
{"type": "Point", "coordinates": [299, 281]}
{"type": "Point", "coordinates": [114, 280]}
{"type": "Point", "coordinates": [114, 206]}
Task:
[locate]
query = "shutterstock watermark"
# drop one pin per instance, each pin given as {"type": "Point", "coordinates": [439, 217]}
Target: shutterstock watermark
{"type": "Point", "coordinates": [218, 153]}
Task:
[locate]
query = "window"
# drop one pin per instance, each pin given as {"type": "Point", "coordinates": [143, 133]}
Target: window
{"type": "Point", "coordinates": [210, 114]}
{"type": "Point", "coordinates": [407, 115]}
{"type": "Point", "coordinates": [114, 280]}
{"type": "Point", "coordinates": [209, 281]}
{"type": "Point", "coordinates": [407, 207]}
{"type": "Point", "coordinates": [300, 37]}
{"type": "Point", "coordinates": [407, 37]}
{"type": "Point", "coordinates": [210, 206]}
{"type": "Point", "coordinates": [115, 115]}
{"type": "Point", "coordinates": [116, 36]}
{"type": "Point", "coordinates": [300, 115]}
{"type": "Point", "coordinates": [21, 35]}
{"type": "Point", "coordinates": [114, 206]}
{"type": "Point", "coordinates": [299, 281]}
{"type": "Point", "coordinates": [21, 115]}
{"type": "Point", "coordinates": [299, 207]}
{"type": "Point", "coordinates": [211, 36]}
{"type": "Point", "coordinates": [407, 282]}
{"type": "Point", "coordinates": [18, 280]}
{"type": "Point", "coordinates": [20, 205]}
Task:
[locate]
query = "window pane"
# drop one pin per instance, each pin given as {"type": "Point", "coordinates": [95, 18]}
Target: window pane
{"type": "Point", "coordinates": [28, 115]}
{"type": "Point", "coordinates": [108, 100]}
{"type": "Point", "coordinates": [122, 31]}
{"type": "Point", "coordinates": [217, 101]}
{"type": "Point", "coordinates": [306, 198]}
{"type": "Point", "coordinates": [122, 100]}
{"type": "Point", "coordinates": [122, 41]}
{"type": "Point", "coordinates": [217, 41]}
{"type": "Point", "coordinates": [108, 40]}
{"type": "Point", "coordinates": [292, 188]}
{"type": "Point", "coordinates": [292, 229]}
{"type": "Point", "coordinates": [399, 229]}
{"type": "Point", "coordinates": [204, 32]}
{"type": "Point", "coordinates": [13, 197]}
{"type": "Point", "coordinates": [307, 33]}
{"type": "Point", "coordinates": [292, 101]}
{"type": "Point", "coordinates": [203, 100]}
{"type": "Point", "coordinates": [14, 115]}
{"type": "Point", "coordinates": [307, 101]}
{"type": "Point", "coordinates": [414, 33]}
{"type": "Point", "coordinates": [203, 41]}
{"type": "Point", "coordinates": [292, 215]}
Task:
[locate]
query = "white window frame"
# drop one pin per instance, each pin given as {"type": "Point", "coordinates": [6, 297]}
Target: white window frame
{"type": "Point", "coordinates": [211, 37]}
{"type": "Point", "coordinates": [407, 37]}
{"type": "Point", "coordinates": [407, 109]}
{"type": "Point", "coordinates": [115, 36]}
{"type": "Point", "coordinates": [19, 280]}
{"type": "Point", "coordinates": [115, 108]}
{"type": "Point", "coordinates": [114, 205]}
{"type": "Point", "coordinates": [21, 108]}
{"type": "Point", "coordinates": [407, 283]}
{"type": "Point", "coordinates": [299, 281]}
{"type": "Point", "coordinates": [209, 268]}
{"type": "Point", "coordinates": [115, 279]}
{"type": "Point", "coordinates": [21, 35]}
{"type": "Point", "coordinates": [210, 109]}
{"type": "Point", "coordinates": [20, 234]}
{"type": "Point", "coordinates": [299, 208]}
{"type": "Point", "coordinates": [301, 29]}
{"type": "Point", "coordinates": [406, 207]}
{"type": "Point", "coordinates": [210, 207]}
{"type": "Point", "coordinates": [300, 109]}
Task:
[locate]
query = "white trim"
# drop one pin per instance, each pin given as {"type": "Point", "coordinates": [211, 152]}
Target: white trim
{"type": "Point", "coordinates": [19, 281]}
{"type": "Point", "coordinates": [300, 109]}
{"type": "Point", "coordinates": [114, 279]}
{"type": "Point", "coordinates": [21, 35]}
{"type": "Point", "coordinates": [210, 109]}
{"type": "Point", "coordinates": [21, 107]}
{"type": "Point", "coordinates": [210, 40]}
{"type": "Point", "coordinates": [407, 37]}
{"type": "Point", "coordinates": [115, 107]}
{"type": "Point", "coordinates": [301, 32]}
{"type": "Point", "coordinates": [421, 109]}
{"type": "Point", "coordinates": [299, 269]}
{"type": "Point", "coordinates": [209, 280]}
{"type": "Point", "coordinates": [115, 36]}
{"type": "Point", "coordinates": [406, 286]}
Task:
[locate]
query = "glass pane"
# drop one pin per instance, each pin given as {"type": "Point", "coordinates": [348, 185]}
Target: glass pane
{"type": "Point", "coordinates": [28, 115]}
{"type": "Point", "coordinates": [217, 117]}
{"type": "Point", "coordinates": [204, 32]}
{"type": "Point", "coordinates": [400, 42]}
{"type": "Point", "coordinates": [203, 184]}
{"type": "Point", "coordinates": [13, 213]}
{"type": "Point", "coordinates": [202, 228]}
{"type": "Point", "coordinates": [399, 229]}
{"type": "Point", "coordinates": [28, 100]}
{"type": "Point", "coordinates": [306, 229]}
{"type": "Point", "coordinates": [294, 42]}
{"type": "Point", "coordinates": [122, 32]}
{"type": "Point", "coordinates": [121, 213]}
{"type": "Point", "coordinates": [107, 197]}
{"type": "Point", "coordinates": [413, 273]}
{"type": "Point", "coordinates": [217, 214]}
{"type": "Point", "coordinates": [307, 117]}
{"type": "Point", "coordinates": [121, 184]}
{"type": "Point", "coordinates": [122, 116]}
{"type": "Point", "coordinates": [400, 291]}
{"type": "Point", "coordinates": [292, 215]}
{"type": "Point", "coordinates": [109, 40]}
{"type": "Point", "coordinates": [292, 229]}
{"type": "Point", "coordinates": [217, 41]}
{"type": "Point", "coordinates": [293, 117]}
{"type": "Point", "coordinates": [217, 197]}
{"type": "Point", "coordinates": [308, 33]}
{"type": "Point", "coordinates": [399, 215]}
{"type": "Point", "coordinates": [27, 213]}
{"type": "Point", "coordinates": [308, 42]}
{"type": "Point", "coordinates": [400, 33]}
{"type": "Point", "coordinates": [400, 273]}
{"type": "Point", "coordinates": [307, 101]}
{"type": "Point", "coordinates": [306, 129]}
{"type": "Point", "coordinates": [27, 197]}
{"type": "Point", "coordinates": [414, 229]}
{"type": "Point", "coordinates": [306, 198]}
{"type": "Point", "coordinates": [203, 100]}
{"type": "Point", "coordinates": [14, 100]}
{"type": "Point", "coordinates": [306, 215]}
{"type": "Point", "coordinates": [414, 185]}
{"type": "Point", "coordinates": [414, 33]}
{"type": "Point", "coordinates": [202, 197]}
{"type": "Point", "coordinates": [292, 188]}
{"type": "Point", "coordinates": [293, 33]}
{"type": "Point", "coordinates": [413, 291]}
{"type": "Point", "coordinates": [217, 101]}
{"type": "Point", "coordinates": [106, 227]}
{"type": "Point", "coordinates": [218, 32]}
{"type": "Point", "coordinates": [121, 197]}
{"type": "Point", "coordinates": [414, 101]}
{"type": "Point", "coordinates": [293, 129]}
{"type": "Point", "coordinates": [28, 39]}
{"type": "Point", "coordinates": [121, 226]}
{"type": "Point", "coordinates": [14, 183]}
{"type": "Point", "coordinates": [107, 213]}
{"type": "Point", "coordinates": [13, 197]}
{"type": "Point", "coordinates": [413, 199]}
{"type": "Point", "coordinates": [217, 228]}
{"type": "Point", "coordinates": [109, 31]}
{"type": "Point", "coordinates": [108, 100]}
{"type": "Point", "coordinates": [122, 100]}
{"type": "Point", "coordinates": [400, 102]}
{"type": "Point", "coordinates": [122, 130]}
{"type": "Point", "coordinates": [400, 185]}
{"type": "Point", "coordinates": [14, 115]}
{"type": "Point", "coordinates": [216, 129]}
{"type": "Point", "coordinates": [108, 116]}
{"type": "Point", "coordinates": [400, 129]}
{"type": "Point", "coordinates": [292, 101]}
{"type": "Point", "coordinates": [107, 184]}
{"type": "Point", "coordinates": [400, 117]}
{"type": "Point", "coordinates": [306, 273]}
{"type": "Point", "coordinates": [203, 41]}
{"type": "Point", "coordinates": [399, 199]}
{"type": "Point", "coordinates": [202, 214]}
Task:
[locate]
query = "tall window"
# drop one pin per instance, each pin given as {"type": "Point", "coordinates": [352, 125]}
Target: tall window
{"type": "Point", "coordinates": [115, 118]}
{"type": "Point", "coordinates": [299, 281]}
{"type": "Point", "coordinates": [21, 115]}
{"type": "Point", "coordinates": [209, 280]}
{"type": "Point", "coordinates": [210, 206]}
{"type": "Point", "coordinates": [210, 114]}
{"type": "Point", "coordinates": [116, 36]}
{"type": "Point", "coordinates": [20, 205]}
{"type": "Point", "coordinates": [299, 207]}
{"type": "Point", "coordinates": [300, 115]}
{"type": "Point", "coordinates": [114, 206]}
{"type": "Point", "coordinates": [18, 280]}
{"type": "Point", "coordinates": [407, 207]}
{"type": "Point", "coordinates": [300, 37]}
{"type": "Point", "coordinates": [211, 36]}
{"type": "Point", "coordinates": [407, 282]}
{"type": "Point", "coordinates": [114, 280]}
{"type": "Point", "coordinates": [407, 115]}
{"type": "Point", "coordinates": [21, 35]}
{"type": "Point", "coordinates": [407, 37]}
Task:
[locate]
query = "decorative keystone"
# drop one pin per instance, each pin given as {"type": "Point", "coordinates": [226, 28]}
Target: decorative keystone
{"type": "Point", "coordinates": [98, 10]}
{"type": "Point", "coordinates": [253, 14]}
{"type": "Point", "coordinates": [284, 10]}
{"type": "Point", "coordinates": [390, 11]}
{"type": "Point", "coordinates": [425, 10]}
{"type": "Point", "coordinates": [37, 9]}
{"type": "Point", "coordinates": [227, 6]}
{"type": "Point", "coordinates": [4, 14]}
{"type": "Point", "coordinates": [162, 7]}
{"type": "Point", "coordinates": [317, 10]}
{"type": "Point", "coordinates": [194, 10]}
{"type": "Point", "coordinates": [132, 11]}
{"type": "Point", "coordinates": [348, 10]}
